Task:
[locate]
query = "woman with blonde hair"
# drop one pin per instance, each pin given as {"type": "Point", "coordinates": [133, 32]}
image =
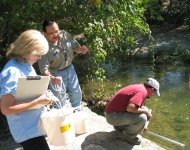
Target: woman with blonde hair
{"type": "Point", "coordinates": [24, 123]}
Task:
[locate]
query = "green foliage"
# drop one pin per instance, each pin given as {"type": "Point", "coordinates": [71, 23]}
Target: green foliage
{"type": "Point", "coordinates": [154, 10]}
{"type": "Point", "coordinates": [110, 28]}
{"type": "Point", "coordinates": [171, 11]}
{"type": "Point", "coordinates": [171, 55]}
{"type": "Point", "coordinates": [113, 29]}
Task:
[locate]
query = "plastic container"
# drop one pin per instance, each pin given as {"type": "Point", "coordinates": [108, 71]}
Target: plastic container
{"type": "Point", "coordinates": [81, 122]}
{"type": "Point", "coordinates": [59, 128]}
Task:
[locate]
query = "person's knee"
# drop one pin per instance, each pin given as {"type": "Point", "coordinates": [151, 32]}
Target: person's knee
{"type": "Point", "coordinates": [109, 118]}
{"type": "Point", "coordinates": [143, 118]}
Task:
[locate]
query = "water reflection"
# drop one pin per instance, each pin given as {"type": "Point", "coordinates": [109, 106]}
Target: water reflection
{"type": "Point", "coordinates": [170, 111]}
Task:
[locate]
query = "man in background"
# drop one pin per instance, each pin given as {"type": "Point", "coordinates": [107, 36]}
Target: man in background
{"type": "Point", "coordinates": [57, 63]}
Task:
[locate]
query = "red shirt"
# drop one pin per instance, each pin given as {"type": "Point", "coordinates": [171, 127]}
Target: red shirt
{"type": "Point", "coordinates": [135, 94]}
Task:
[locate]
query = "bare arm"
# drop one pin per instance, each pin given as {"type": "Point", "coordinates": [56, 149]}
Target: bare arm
{"type": "Point", "coordinates": [10, 106]}
{"type": "Point", "coordinates": [56, 80]}
{"type": "Point", "coordinates": [46, 73]}
{"type": "Point", "coordinates": [138, 110]}
{"type": "Point", "coordinates": [82, 50]}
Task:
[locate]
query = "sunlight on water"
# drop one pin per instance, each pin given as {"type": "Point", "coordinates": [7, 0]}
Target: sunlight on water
{"type": "Point", "coordinates": [171, 111]}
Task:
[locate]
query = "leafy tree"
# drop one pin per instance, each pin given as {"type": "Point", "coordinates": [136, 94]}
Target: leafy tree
{"type": "Point", "coordinates": [169, 11]}
{"type": "Point", "coordinates": [110, 28]}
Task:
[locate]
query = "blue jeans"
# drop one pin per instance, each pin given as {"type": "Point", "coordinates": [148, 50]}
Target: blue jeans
{"type": "Point", "coordinates": [71, 88]}
{"type": "Point", "coordinates": [129, 124]}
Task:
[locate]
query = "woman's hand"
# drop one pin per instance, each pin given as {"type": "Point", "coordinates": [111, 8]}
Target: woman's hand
{"type": "Point", "coordinates": [45, 99]}
{"type": "Point", "coordinates": [10, 106]}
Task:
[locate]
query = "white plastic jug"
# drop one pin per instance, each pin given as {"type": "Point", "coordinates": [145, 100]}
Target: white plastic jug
{"type": "Point", "coordinates": [59, 128]}
{"type": "Point", "coordinates": [81, 122]}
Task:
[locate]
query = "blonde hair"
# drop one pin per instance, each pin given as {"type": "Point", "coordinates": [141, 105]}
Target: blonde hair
{"type": "Point", "coordinates": [28, 42]}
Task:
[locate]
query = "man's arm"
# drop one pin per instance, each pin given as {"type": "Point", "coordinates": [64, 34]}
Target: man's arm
{"type": "Point", "coordinates": [81, 50]}
{"type": "Point", "coordinates": [76, 46]}
{"type": "Point", "coordinates": [46, 73]}
{"type": "Point", "coordinates": [44, 69]}
{"type": "Point", "coordinates": [132, 108]}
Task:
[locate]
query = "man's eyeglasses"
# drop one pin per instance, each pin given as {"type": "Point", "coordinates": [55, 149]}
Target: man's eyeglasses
{"type": "Point", "coordinates": [53, 33]}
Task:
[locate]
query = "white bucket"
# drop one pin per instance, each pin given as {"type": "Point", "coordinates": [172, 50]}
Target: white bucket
{"type": "Point", "coordinates": [81, 122]}
{"type": "Point", "coordinates": [59, 128]}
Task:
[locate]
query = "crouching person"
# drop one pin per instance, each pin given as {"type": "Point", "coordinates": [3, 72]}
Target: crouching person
{"type": "Point", "coordinates": [125, 110]}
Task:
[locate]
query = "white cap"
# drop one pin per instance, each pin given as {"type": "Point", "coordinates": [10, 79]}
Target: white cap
{"type": "Point", "coordinates": [153, 83]}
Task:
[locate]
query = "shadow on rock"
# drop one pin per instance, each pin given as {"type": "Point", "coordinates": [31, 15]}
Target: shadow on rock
{"type": "Point", "coordinates": [9, 144]}
{"type": "Point", "coordinates": [105, 141]}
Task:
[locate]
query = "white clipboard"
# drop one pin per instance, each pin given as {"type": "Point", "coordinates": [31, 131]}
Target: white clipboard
{"type": "Point", "coordinates": [31, 87]}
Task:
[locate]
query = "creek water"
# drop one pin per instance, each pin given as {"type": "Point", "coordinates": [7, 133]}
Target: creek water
{"type": "Point", "coordinates": [171, 111]}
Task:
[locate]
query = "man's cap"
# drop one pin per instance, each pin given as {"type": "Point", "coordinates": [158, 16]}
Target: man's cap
{"type": "Point", "coordinates": [155, 84]}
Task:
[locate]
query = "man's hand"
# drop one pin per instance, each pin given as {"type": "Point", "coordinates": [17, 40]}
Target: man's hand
{"type": "Point", "coordinates": [147, 123]}
{"type": "Point", "coordinates": [147, 112]}
{"type": "Point", "coordinates": [56, 80]}
{"type": "Point", "coordinates": [138, 110]}
{"type": "Point", "coordinates": [82, 50]}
